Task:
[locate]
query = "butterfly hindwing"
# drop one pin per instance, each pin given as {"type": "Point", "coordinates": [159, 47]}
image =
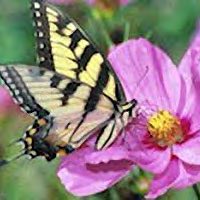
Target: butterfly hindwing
{"type": "Point", "coordinates": [109, 133]}
{"type": "Point", "coordinates": [60, 105]}
{"type": "Point", "coordinates": [63, 47]}
{"type": "Point", "coordinates": [20, 91]}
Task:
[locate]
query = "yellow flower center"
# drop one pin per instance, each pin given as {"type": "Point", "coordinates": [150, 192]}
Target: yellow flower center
{"type": "Point", "coordinates": [165, 128]}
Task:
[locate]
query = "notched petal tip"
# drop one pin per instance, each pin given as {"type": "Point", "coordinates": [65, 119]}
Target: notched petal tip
{"type": "Point", "coordinates": [82, 175]}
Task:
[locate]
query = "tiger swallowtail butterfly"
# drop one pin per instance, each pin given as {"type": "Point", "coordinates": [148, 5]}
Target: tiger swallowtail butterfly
{"type": "Point", "coordinates": [72, 94]}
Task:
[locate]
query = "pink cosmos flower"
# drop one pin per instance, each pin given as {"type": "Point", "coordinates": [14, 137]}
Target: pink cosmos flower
{"type": "Point", "coordinates": [67, 2]}
{"type": "Point", "coordinates": [164, 140]}
{"type": "Point", "coordinates": [119, 2]}
{"type": "Point", "coordinates": [92, 2]}
{"type": "Point", "coordinates": [6, 102]}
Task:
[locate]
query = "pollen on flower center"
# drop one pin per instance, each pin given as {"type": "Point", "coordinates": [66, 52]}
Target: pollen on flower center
{"type": "Point", "coordinates": [165, 128]}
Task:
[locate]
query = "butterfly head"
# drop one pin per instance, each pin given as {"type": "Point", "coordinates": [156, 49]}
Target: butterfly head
{"type": "Point", "coordinates": [128, 111]}
{"type": "Point", "coordinates": [129, 107]}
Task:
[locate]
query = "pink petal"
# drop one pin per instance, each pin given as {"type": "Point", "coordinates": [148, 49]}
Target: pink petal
{"type": "Point", "coordinates": [178, 175]}
{"type": "Point", "coordinates": [145, 154]}
{"type": "Point", "coordinates": [67, 2]}
{"type": "Point", "coordinates": [82, 176]}
{"type": "Point", "coordinates": [124, 2]}
{"type": "Point", "coordinates": [121, 2]}
{"type": "Point", "coordinates": [4, 96]}
{"type": "Point", "coordinates": [6, 102]}
{"type": "Point", "coordinates": [164, 181]}
{"type": "Point", "coordinates": [189, 175]}
{"type": "Point", "coordinates": [147, 73]}
{"type": "Point", "coordinates": [190, 71]}
{"type": "Point", "coordinates": [91, 2]}
{"type": "Point", "coordinates": [189, 151]}
{"type": "Point", "coordinates": [112, 153]}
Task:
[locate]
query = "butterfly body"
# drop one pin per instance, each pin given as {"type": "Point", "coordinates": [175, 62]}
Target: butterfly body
{"type": "Point", "coordinates": [72, 95]}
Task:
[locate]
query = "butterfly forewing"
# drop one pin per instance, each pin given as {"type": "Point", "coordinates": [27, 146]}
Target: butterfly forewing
{"type": "Point", "coordinates": [20, 91]}
{"type": "Point", "coordinates": [62, 46]}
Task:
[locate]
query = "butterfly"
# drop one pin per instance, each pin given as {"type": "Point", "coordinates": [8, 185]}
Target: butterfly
{"type": "Point", "coordinates": [72, 94]}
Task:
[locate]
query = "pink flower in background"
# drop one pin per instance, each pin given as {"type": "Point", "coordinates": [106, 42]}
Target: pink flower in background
{"type": "Point", "coordinates": [67, 2]}
{"type": "Point", "coordinates": [6, 102]}
{"type": "Point", "coordinates": [93, 2]}
{"type": "Point", "coordinates": [165, 138]}
{"type": "Point", "coordinates": [118, 2]}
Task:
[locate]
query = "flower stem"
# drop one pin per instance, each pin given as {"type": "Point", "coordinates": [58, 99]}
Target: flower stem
{"type": "Point", "coordinates": [196, 190]}
{"type": "Point", "coordinates": [127, 31]}
{"type": "Point", "coordinates": [97, 16]}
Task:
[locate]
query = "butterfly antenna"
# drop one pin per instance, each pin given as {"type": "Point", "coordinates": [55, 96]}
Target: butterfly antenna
{"type": "Point", "coordinates": [4, 162]}
{"type": "Point", "coordinates": [18, 141]}
{"type": "Point", "coordinates": [141, 79]}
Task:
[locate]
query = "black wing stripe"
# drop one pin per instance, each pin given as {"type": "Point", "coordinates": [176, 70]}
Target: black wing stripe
{"type": "Point", "coordinates": [61, 23]}
{"type": "Point", "coordinates": [97, 90]}
{"type": "Point", "coordinates": [55, 80]}
{"type": "Point", "coordinates": [110, 135]}
{"type": "Point", "coordinates": [76, 37]}
{"type": "Point", "coordinates": [69, 91]}
{"type": "Point", "coordinates": [88, 52]}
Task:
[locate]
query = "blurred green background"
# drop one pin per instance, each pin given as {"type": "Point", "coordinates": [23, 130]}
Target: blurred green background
{"type": "Point", "coordinates": [169, 24]}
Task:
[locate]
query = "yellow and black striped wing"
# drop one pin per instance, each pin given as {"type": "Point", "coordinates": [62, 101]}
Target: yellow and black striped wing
{"type": "Point", "coordinates": [63, 47]}
{"type": "Point", "coordinates": [47, 95]}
